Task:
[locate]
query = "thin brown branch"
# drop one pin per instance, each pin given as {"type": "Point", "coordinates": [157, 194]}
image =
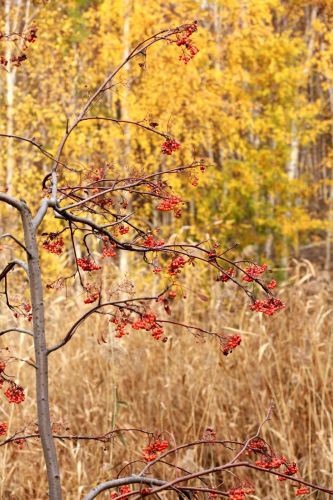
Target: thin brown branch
{"type": "Point", "coordinates": [8, 235]}
{"type": "Point", "coordinates": [103, 438]}
{"type": "Point", "coordinates": [19, 330]}
{"type": "Point", "coordinates": [129, 122]}
{"type": "Point", "coordinates": [95, 309]}
{"type": "Point", "coordinates": [244, 464]}
{"type": "Point", "coordinates": [36, 145]}
{"type": "Point", "coordinates": [6, 270]}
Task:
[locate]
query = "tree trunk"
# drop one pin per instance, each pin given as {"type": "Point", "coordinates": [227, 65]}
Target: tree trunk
{"type": "Point", "coordinates": [10, 83]}
{"type": "Point", "coordinates": [123, 257]}
{"type": "Point", "coordinates": [42, 396]}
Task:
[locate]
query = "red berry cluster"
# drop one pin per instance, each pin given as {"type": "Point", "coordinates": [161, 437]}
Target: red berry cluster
{"type": "Point", "coordinates": [276, 463]}
{"type": "Point", "coordinates": [268, 306]}
{"type": "Point", "coordinates": [272, 284]}
{"type": "Point", "coordinates": [209, 434]}
{"type": "Point", "coordinates": [226, 275]}
{"type": "Point", "coordinates": [122, 491]}
{"type": "Point", "coordinates": [108, 250]}
{"type": "Point", "coordinates": [26, 37]}
{"type": "Point", "coordinates": [171, 203]}
{"type": "Point", "coordinates": [20, 442]}
{"type": "Point", "coordinates": [58, 284]}
{"type": "Point", "coordinates": [15, 393]}
{"type": "Point", "coordinates": [189, 30]}
{"type": "Point", "coordinates": [93, 294]}
{"type": "Point", "coordinates": [290, 470]}
{"type": "Point", "coordinates": [3, 428]}
{"type": "Point", "coordinates": [103, 201]}
{"type": "Point", "coordinates": [230, 343]}
{"type": "Point", "coordinates": [257, 446]}
{"type": "Point", "coordinates": [147, 322]}
{"type": "Point", "coordinates": [195, 181]}
{"type": "Point", "coordinates": [165, 302]}
{"type": "Point", "coordinates": [14, 60]}
{"type": "Point", "coordinates": [157, 446]}
{"type": "Point", "coordinates": [54, 245]}
{"type": "Point", "coordinates": [271, 462]}
{"type": "Point", "coordinates": [212, 254]}
{"type": "Point", "coordinates": [169, 146]}
{"type": "Point", "coordinates": [23, 310]}
{"type": "Point", "coordinates": [87, 264]}
{"type": "Point", "coordinates": [30, 36]}
{"type": "Point", "coordinates": [121, 324]}
{"type": "Point", "coordinates": [96, 174]}
{"type": "Point", "coordinates": [185, 41]}
{"type": "Point", "coordinates": [176, 265]}
{"type": "Point", "coordinates": [145, 491]}
{"type": "Point", "coordinates": [302, 491]}
{"type": "Point", "coordinates": [253, 272]}
{"type": "Point", "coordinates": [151, 242]}
{"type": "Point", "coordinates": [239, 493]}
{"type": "Point", "coordinates": [192, 51]}
{"type": "Point", "coordinates": [158, 334]}
{"type": "Point", "coordinates": [123, 229]}
{"type": "Point", "coordinates": [195, 178]}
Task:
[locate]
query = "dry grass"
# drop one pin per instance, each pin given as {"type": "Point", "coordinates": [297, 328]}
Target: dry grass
{"type": "Point", "coordinates": [184, 386]}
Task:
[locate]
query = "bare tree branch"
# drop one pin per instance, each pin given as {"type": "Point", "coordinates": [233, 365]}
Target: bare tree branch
{"type": "Point", "coordinates": [21, 264]}
{"type": "Point", "coordinates": [41, 213]}
{"type": "Point", "coordinates": [128, 122]}
{"type": "Point", "coordinates": [73, 328]}
{"type": "Point", "coordinates": [138, 50]}
{"type": "Point", "coordinates": [10, 200]}
{"type": "Point", "coordinates": [19, 330]}
{"type": "Point", "coordinates": [6, 270]}
{"type": "Point", "coordinates": [35, 144]}
{"type": "Point", "coordinates": [8, 235]}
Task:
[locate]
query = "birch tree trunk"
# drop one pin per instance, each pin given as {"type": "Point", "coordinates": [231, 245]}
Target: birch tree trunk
{"type": "Point", "coordinates": [123, 258]}
{"type": "Point", "coordinates": [9, 93]}
{"type": "Point", "coordinates": [17, 16]}
{"type": "Point", "coordinates": [41, 355]}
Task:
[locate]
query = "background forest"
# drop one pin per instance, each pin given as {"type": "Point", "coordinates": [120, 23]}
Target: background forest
{"type": "Point", "coordinates": [257, 103]}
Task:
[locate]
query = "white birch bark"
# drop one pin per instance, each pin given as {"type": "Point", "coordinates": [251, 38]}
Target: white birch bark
{"type": "Point", "coordinates": [123, 257]}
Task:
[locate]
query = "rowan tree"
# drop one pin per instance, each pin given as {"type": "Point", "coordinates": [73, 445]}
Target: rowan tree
{"type": "Point", "coordinates": [98, 210]}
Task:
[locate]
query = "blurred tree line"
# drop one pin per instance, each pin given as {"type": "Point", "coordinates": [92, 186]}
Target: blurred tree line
{"type": "Point", "coordinates": [257, 102]}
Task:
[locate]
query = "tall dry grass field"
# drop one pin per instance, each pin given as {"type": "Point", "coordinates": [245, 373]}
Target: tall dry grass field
{"type": "Point", "coordinates": [182, 387]}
